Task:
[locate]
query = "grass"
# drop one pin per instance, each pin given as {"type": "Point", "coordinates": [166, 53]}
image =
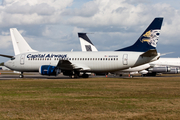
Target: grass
{"type": "Point", "coordinates": [92, 98]}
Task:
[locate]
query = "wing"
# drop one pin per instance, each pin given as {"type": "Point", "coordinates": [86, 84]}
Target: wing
{"type": "Point", "coordinates": [67, 65]}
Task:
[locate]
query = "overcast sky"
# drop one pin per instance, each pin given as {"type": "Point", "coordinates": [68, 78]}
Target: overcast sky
{"type": "Point", "coordinates": [52, 25]}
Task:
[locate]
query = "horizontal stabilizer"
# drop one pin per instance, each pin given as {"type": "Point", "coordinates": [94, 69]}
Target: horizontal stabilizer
{"type": "Point", "coordinates": [150, 53]}
{"type": "Point", "coordinates": [166, 53]}
{"type": "Point", "coordinates": [8, 56]}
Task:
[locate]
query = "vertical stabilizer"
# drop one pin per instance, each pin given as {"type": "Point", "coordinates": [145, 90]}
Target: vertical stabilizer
{"type": "Point", "coordinates": [86, 44]}
{"type": "Point", "coordinates": [19, 43]}
{"type": "Point", "coordinates": [149, 39]}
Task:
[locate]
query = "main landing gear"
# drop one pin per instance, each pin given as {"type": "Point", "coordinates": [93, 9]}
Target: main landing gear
{"type": "Point", "coordinates": [21, 75]}
{"type": "Point", "coordinates": [77, 75]}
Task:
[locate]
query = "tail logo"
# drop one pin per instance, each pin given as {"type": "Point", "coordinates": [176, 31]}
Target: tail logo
{"type": "Point", "coordinates": [151, 37]}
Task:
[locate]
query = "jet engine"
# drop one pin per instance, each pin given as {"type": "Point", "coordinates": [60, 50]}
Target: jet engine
{"type": "Point", "coordinates": [49, 70]}
{"type": "Point", "coordinates": [173, 71]}
{"type": "Point", "coordinates": [159, 69]}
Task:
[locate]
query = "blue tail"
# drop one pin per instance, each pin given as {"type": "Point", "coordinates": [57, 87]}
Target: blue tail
{"type": "Point", "coordinates": [149, 39]}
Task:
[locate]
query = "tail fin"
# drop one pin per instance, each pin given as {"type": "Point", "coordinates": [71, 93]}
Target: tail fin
{"type": "Point", "coordinates": [149, 39]}
{"type": "Point", "coordinates": [19, 43]}
{"type": "Point", "coordinates": [86, 44]}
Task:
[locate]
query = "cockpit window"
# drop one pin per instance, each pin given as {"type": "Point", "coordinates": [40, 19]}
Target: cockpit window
{"type": "Point", "coordinates": [13, 58]}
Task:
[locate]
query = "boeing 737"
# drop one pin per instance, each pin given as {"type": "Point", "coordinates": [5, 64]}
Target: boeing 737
{"type": "Point", "coordinates": [72, 63]}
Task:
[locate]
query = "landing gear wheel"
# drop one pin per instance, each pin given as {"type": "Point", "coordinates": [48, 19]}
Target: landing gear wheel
{"type": "Point", "coordinates": [85, 76]}
{"type": "Point", "coordinates": [21, 75]}
{"type": "Point", "coordinates": [72, 76]}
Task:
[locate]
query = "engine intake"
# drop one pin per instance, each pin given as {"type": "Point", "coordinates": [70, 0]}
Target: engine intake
{"type": "Point", "coordinates": [49, 70]}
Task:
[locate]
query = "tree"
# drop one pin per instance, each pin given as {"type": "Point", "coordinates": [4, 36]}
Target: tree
{"type": "Point", "coordinates": [2, 64]}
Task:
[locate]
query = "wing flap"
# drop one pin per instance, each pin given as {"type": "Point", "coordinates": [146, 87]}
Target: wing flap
{"type": "Point", "coordinates": [81, 67]}
{"type": "Point", "coordinates": [67, 65]}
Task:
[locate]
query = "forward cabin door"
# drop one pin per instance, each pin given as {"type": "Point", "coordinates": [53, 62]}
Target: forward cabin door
{"type": "Point", "coordinates": [22, 59]}
{"type": "Point", "coordinates": [125, 59]}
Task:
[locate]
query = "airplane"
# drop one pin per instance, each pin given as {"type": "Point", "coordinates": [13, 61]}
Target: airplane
{"type": "Point", "coordinates": [72, 63]}
{"type": "Point", "coordinates": [162, 65]}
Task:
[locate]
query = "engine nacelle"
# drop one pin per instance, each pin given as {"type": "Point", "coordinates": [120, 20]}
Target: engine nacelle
{"type": "Point", "coordinates": [143, 72]}
{"type": "Point", "coordinates": [49, 70]}
{"type": "Point", "coordinates": [173, 71]}
{"type": "Point", "coordinates": [159, 69]}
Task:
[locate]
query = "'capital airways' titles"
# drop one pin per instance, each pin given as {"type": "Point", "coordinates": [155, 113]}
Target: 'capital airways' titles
{"type": "Point", "coordinates": [47, 56]}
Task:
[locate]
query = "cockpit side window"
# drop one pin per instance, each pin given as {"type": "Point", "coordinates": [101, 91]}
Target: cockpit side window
{"type": "Point", "coordinates": [13, 58]}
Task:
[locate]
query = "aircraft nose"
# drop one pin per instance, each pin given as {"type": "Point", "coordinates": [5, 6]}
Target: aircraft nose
{"type": "Point", "coordinates": [6, 64]}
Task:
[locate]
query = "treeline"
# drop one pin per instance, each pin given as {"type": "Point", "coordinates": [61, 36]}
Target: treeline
{"type": "Point", "coordinates": [2, 64]}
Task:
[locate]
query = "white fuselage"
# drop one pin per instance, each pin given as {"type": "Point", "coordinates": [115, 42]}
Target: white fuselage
{"type": "Point", "coordinates": [171, 62]}
{"type": "Point", "coordinates": [86, 61]}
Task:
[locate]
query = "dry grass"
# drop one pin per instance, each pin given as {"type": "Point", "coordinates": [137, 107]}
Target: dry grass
{"type": "Point", "coordinates": [93, 98]}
